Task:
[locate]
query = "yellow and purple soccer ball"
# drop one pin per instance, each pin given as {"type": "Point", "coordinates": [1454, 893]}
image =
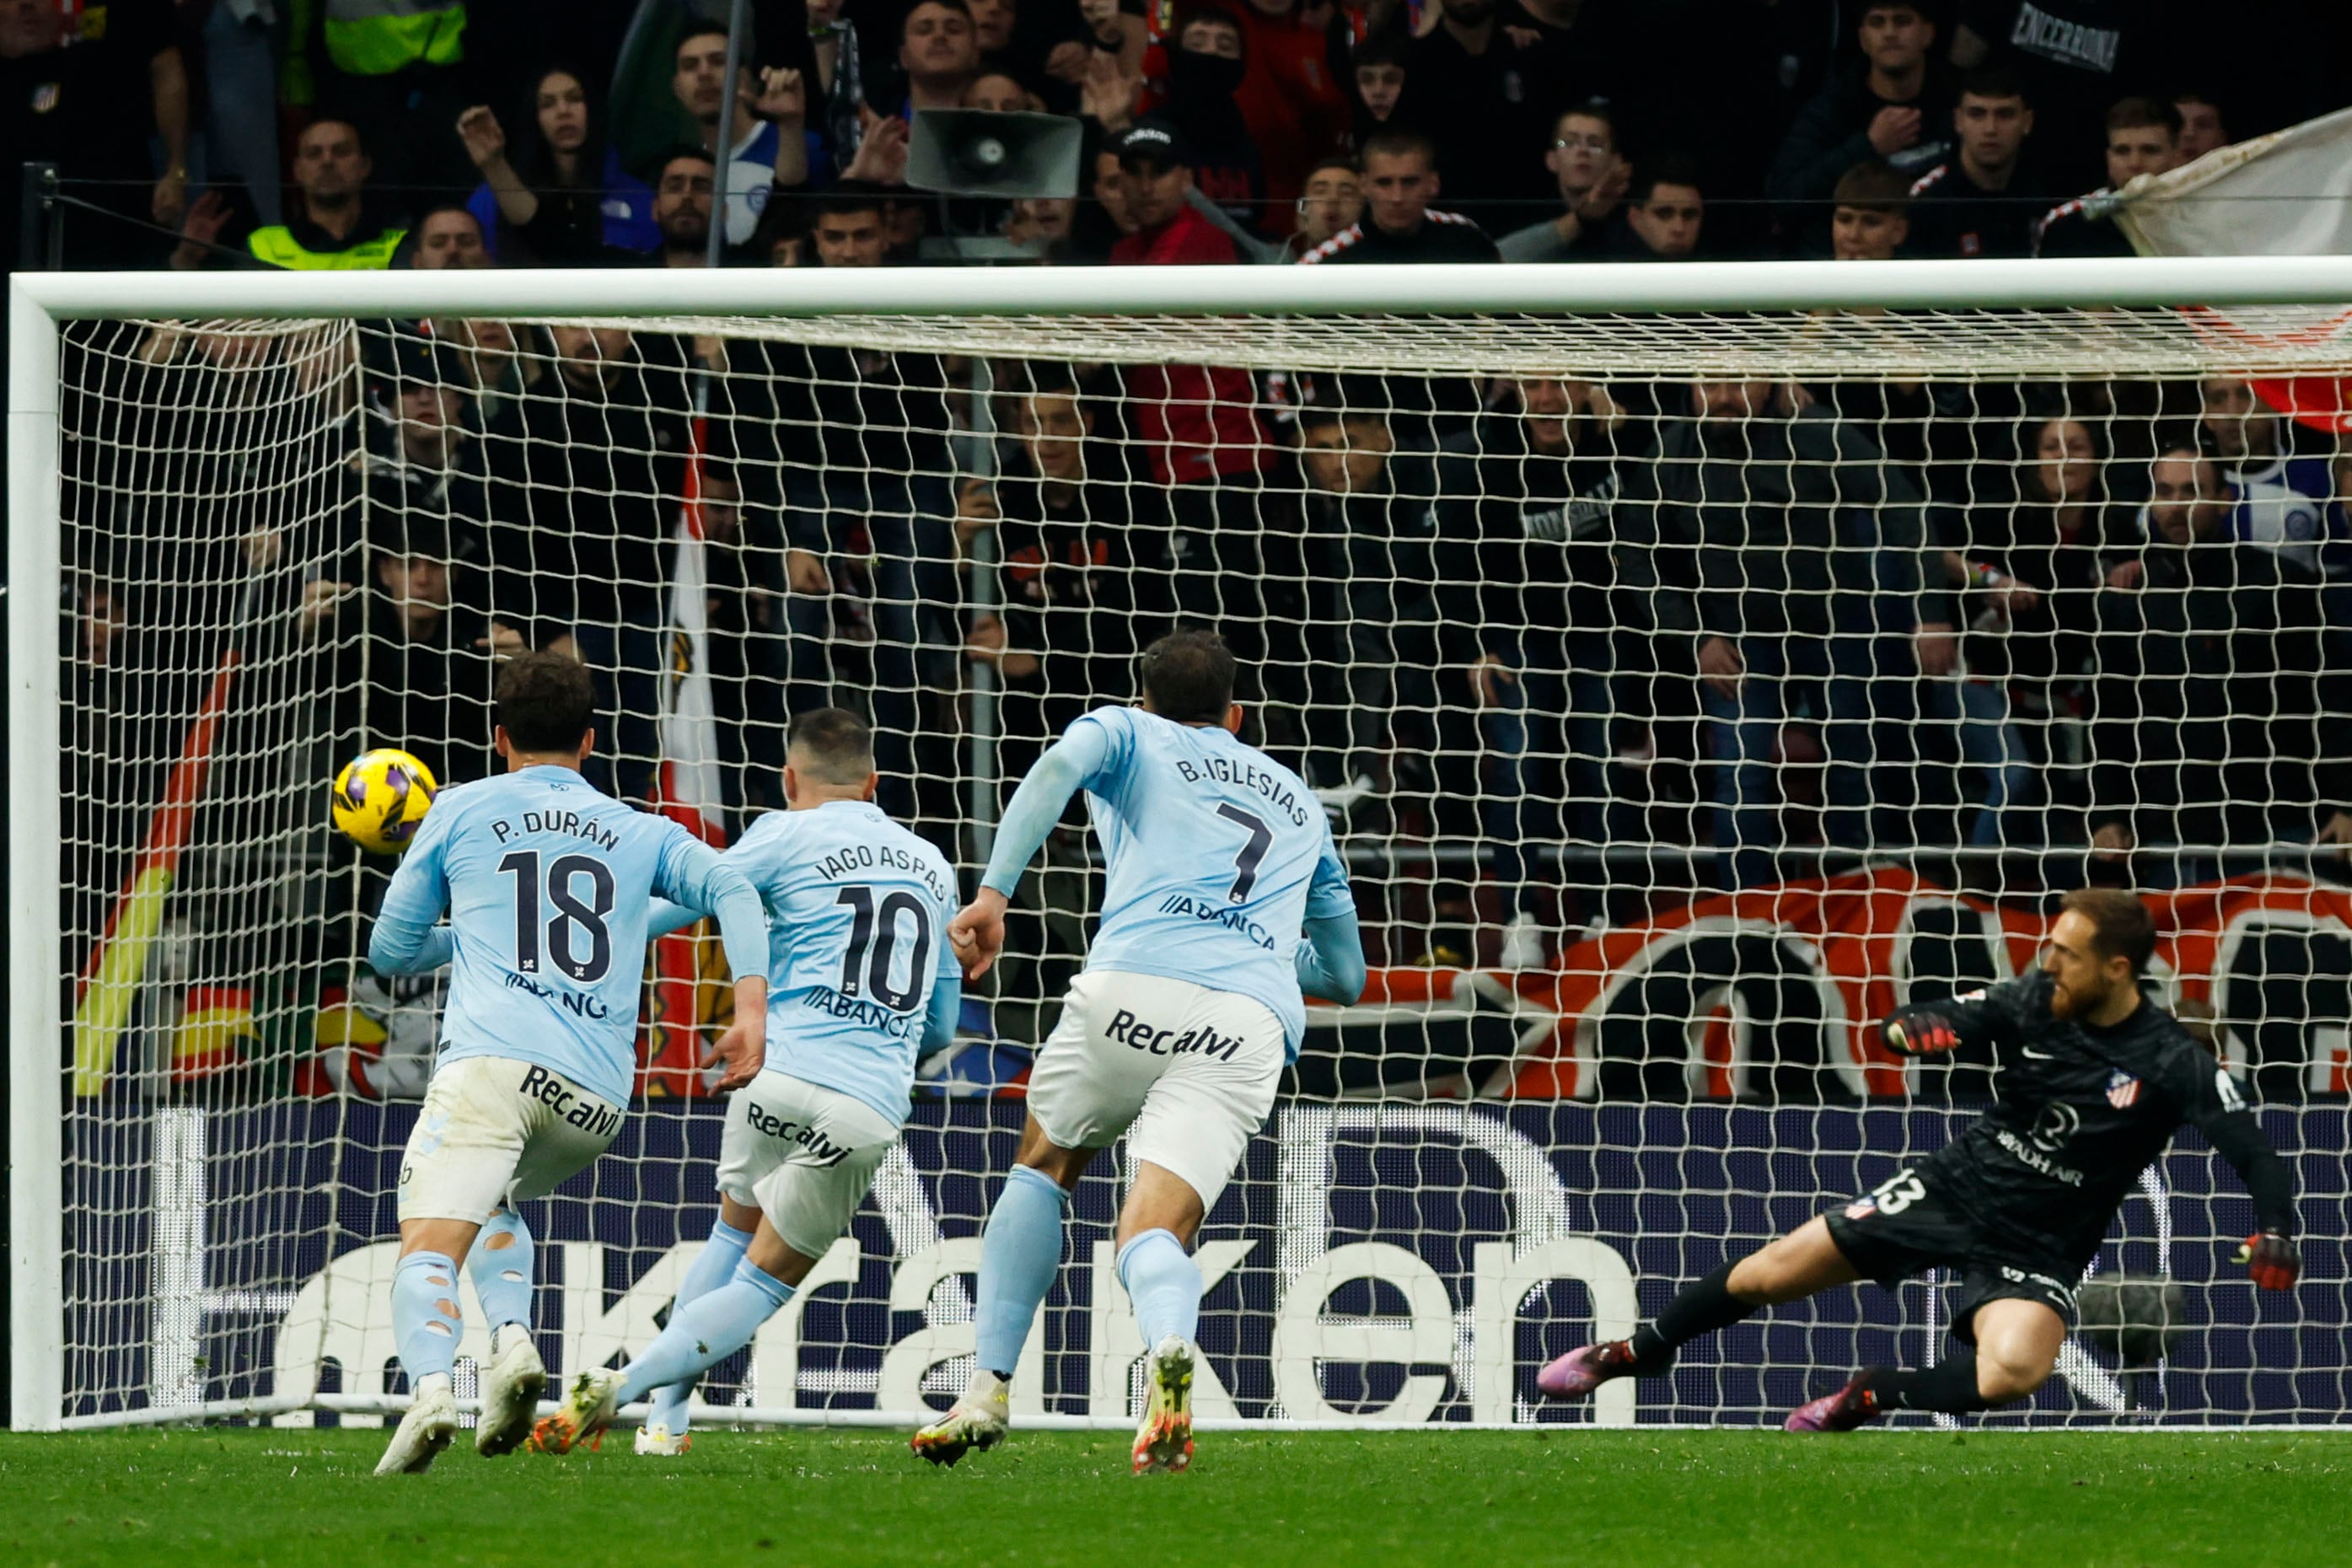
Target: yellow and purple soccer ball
{"type": "Point", "coordinates": [380, 798]}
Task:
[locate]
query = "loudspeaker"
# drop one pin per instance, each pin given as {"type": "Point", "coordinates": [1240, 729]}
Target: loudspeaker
{"type": "Point", "coordinates": [976, 152]}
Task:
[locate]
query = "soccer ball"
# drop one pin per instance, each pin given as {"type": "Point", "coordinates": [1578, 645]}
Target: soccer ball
{"type": "Point", "coordinates": [380, 798]}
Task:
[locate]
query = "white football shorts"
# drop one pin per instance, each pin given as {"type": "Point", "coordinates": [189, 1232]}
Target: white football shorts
{"type": "Point", "coordinates": [493, 1131]}
{"type": "Point", "coordinates": [804, 1155]}
{"type": "Point", "coordinates": [1186, 1072]}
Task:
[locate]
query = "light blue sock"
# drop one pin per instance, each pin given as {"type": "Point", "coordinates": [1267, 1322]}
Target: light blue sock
{"type": "Point", "coordinates": [711, 1270]}
{"type": "Point", "coordinates": [707, 1331]}
{"type": "Point", "coordinates": [1018, 1254]}
{"type": "Point", "coordinates": [1164, 1284]}
{"type": "Point", "coordinates": [425, 1316]}
{"type": "Point", "coordinates": [500, 1266]}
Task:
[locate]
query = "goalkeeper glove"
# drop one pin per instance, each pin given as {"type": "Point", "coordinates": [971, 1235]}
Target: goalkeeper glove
{"type": "Point", "coordinates": [2271, 1260]}
{"type": "Point", "coordinates": [1921, 1035]}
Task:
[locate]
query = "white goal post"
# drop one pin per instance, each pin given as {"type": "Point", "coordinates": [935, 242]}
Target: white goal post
{"type": "Point", "coordinates": [91, 1344]}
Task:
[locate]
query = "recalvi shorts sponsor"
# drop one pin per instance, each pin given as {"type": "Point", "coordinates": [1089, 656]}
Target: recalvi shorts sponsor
{"type": "Point", "coordinates": [802, 1154]}
{"type": "Point", "coordinates": [1186, 1072]}
{"type": "Point", "coordinates": [494, 1131]}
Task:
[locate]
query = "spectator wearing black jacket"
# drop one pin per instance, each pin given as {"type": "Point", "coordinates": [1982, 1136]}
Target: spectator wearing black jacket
{"type": "Point", "coordinates": [1976, 203]}
{"type": "Point", "coordinates": [554, 193]}
{"type": "Point", "coordinates": [862, 440]}
{"type": "Point", "coordinates": [414, 656]}
{"type": "Point", "coordinates": [2029, 571]}
{"type": "Point", "coordinates": [2072, 56]}
{"type": "Point", "coordinates": [2217, 719]}
{"type": "Point", "coordinates": [1080, 585]}
{"type": "Point", "coordinates": [746, 599]}
{"type": "Point", "coordinates": [1593, 175]}
{"type": "Point", "coordinates": [1400, 181]}
{"type": "Point", "coordinates": [1469, 86]}
{"type": "Point", "coordinates": [1665, 213]}
{"type": "Point", "coordinates": [1394, 604]}
{"type": "Point", "coordinates": [1527, 499]}
{"type": "Point", "coordinates": [1204, 72]}
{"type": "Point", "coordinates": [586, 477]}
{"type": "Point", "coordinates": [2143, 138]}
{"type": "Point", "coordinates": [1794, 554]}
{"type": "Point", "coordinates": [1887, 106]}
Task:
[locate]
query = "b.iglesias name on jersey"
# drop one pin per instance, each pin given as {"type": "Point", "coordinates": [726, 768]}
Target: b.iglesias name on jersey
{"type": "Point", "coordinates": [1238, 771]}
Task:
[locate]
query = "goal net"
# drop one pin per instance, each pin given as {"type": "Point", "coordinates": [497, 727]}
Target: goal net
{"type": "Point", "coordinates": [1687, 684]}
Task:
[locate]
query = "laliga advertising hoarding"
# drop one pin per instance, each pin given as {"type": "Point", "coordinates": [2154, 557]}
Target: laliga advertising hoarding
{"type": "Point", "coordinates": [1373, 1262]}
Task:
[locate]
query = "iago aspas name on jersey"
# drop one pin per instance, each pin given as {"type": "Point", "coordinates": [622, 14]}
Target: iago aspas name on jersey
{"type": "Point", "coordinates": [851, 859]}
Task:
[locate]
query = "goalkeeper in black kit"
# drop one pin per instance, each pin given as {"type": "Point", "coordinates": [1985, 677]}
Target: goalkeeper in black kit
{"type": "Point", "coordinates": [2094, 1080]}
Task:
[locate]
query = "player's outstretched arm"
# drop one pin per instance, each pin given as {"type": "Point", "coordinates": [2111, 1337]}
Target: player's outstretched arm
{"type": "Point", "coordinates": [1939, 1028]}
{"type": "Point", "coordinates": [947, 1007]}
{"type": "Point", "coordinates": [977, 934]}
{"type": "Point", "coordinates": [698, 879]}
{"type": "Point", "coordinates": [408, 937]}
{"type": "Point", "coordinates": [2221, 1112]}
{"type": "Point", "coordinates": [1330, 962]}
{"type": "Point", "coordinates": [662, 917]}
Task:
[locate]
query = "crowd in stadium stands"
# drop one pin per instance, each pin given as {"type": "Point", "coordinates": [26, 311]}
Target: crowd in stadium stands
{"type": "Point", "coordinates": [2145, 587]}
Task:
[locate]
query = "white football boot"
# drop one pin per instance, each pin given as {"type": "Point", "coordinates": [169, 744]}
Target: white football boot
{"type": "Point", "coordinates": [594, 1398]}
{"type": "Point", "coordinates": [510, 1392]}
{"type": "Point", "coordinates": [659, 1440]}
{"type": "Point", "coordinates": [1163, 1439]}
{"type": "Point", "coordinates": [979, 1420]}
{"type": "Point", "coordinates": [425, 1431]}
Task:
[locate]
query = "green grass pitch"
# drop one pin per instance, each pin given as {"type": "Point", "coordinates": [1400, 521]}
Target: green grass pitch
{"type": "Point", "coordinates": [1480, 1500]}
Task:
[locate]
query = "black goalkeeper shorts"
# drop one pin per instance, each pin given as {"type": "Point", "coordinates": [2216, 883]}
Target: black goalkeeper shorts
{"type": "Point", "coordinates": [1905, 1226]}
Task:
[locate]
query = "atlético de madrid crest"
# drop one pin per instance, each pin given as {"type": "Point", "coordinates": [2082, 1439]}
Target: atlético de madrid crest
{"type": "Point", "coordinates": [44, 98]}
{"type": "Point", "coordinates": [2123, 1090]}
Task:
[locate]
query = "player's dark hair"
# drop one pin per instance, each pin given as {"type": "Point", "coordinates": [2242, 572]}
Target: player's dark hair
{"type": "Point", "coordinates": [2121, 926]}
{"type": "Point", "coordinates": [2137, 113]}
{"type": "Point", "coordinates": [1400, 144]}
{"type": "Point", "coordinates": [1874, 185]}
{"type": "Point", "coordinates": [1188, 676]}
{"type": "Point", "coordinates": [832, 745]}
{"type": "Point", "coordinates": [545, 702]}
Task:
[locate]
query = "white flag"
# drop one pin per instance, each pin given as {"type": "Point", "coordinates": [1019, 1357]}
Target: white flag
{"type": "Point", "coordinates": [689, 717]}
{"type": "Point", "coordinates": [2287, 193]}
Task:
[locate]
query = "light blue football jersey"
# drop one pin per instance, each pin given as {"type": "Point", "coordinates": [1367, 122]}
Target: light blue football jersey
{"type": "Point", "coordinates": [548, 883]}
{"type": "Point", "coordinates": [1216, 856]}
{"type": "Point", "coordinates": [857, 937]}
